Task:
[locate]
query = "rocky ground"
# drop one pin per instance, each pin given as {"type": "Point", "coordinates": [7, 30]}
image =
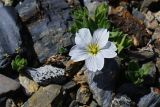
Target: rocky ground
{"type": "Point", "coordinates": [38, 29]}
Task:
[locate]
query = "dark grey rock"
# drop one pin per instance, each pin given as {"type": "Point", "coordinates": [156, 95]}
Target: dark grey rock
{"type": "Point", "coordinates": [132, 91]}
{"type": "Point", "coordinates": [69, 85]}
{"type": "Point", "coordinates": [150, 100]}
{"type": "Point", "coordinates": [49, 38]}
{"type": "Point", "coordinates": [48, 22]}
{"type": "Point", "coordinates": [2, 100]}
{"type": "Point", "coordinates": [7, 85]}
{"type": "Point", "coordinates": [28, 9]}
{"type": "Point", "coordinates": [10, 38]}
{"type": "Point", "coordinates": [14, 35]}
{"type": "Point", "coordinates": [44, 96]}
{"type": "Point", "coordinates": [144, 55]}
{"type": "Point", "coordinates": [102, 83]}
{"type": "Point", "coordinates": [47, 74]}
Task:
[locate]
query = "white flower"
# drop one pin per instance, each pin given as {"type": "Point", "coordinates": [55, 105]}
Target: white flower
{"type": "Point", "coordinates": [93, 49]}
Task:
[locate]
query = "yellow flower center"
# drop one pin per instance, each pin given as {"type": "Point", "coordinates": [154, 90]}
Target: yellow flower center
{"type": "Point", "coordinates": [93, 49]}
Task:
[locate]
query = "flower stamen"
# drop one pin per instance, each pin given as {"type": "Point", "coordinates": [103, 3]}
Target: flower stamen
{"type": "Point", "coordinates": [93, 49]}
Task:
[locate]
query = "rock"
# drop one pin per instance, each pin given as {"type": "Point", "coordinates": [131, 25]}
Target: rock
{"type": "Point", "coordinates": [7, 85]}
{"type": "Point", "coordinates": [73, 3]}
{"type": "Point", "coordinates": [69, 93]}
{"type": "Point", "coordinates": [28, 9]}
{"type": "Point", "coordinates": [49, 38]}
{"type": "Point", "coordinates": [156, 34]}
{"type": "Point", "coordinates": [138, 14]}
{"type": "Point", "coordinates": [156, 37]}
{"type": "Point", "coordinates": [2, 101]}
{"type": "Point", "coordinates": [1, 4]}
{"type": "Point", "coordinates": [84, 96]}
{"type": "Point", "coordinates": [57, 60]}
{"type": "Point", "coordinates": [10, 35]}
{"type": "Point", "coordinates": [142, 56]}
{"type": "Point", "coordinates": [152, 25]}
{"type": "Point", "coordinates": [29, 85]}
{"type": "Point", "coordinates": [157, 16]}
{"type": "Point", "coordinates": [122, 101]}
{"type": "Point", "coordinates": [48, 22]}
{"type": "Point", "coordinates": [150, 100]}
{"type": "Point", "coordinates": [47, 74]}
{"type": "Point", "coordinates": [74, 103]}
{"type": "Point", "coordinates": [102, 83]}
{"type": "Point", "coordinates": [130, 25]}
{"type": "Point", "coordinates": [146, 3]}
{"type": "Point", "coordinates": [93, 104]}
{"type": "Point", "coordinates": [132, 91]}
{"type": "Point", "coordinates": [44, 96]}
{"type": "Point", "coordinates": [73, 67]}
{"type": "Point", "coordinates": [10, 103]}
{"type": "Point", "coordinates": [158, 64]}
{"type": "Point", "coordinates": [80, 77]}
{"type": "Point", "coordinates": [149, 16]}
{"type": "Point", "coordinates": [14, 36]}
{"type": "Point", "coordinates": [8, 2]}
{"type": "Point", "coordinates": [69, 85]}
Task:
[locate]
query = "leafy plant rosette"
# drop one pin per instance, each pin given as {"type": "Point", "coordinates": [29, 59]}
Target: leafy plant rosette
{"type": "Point", "coordinates": [136, 74]}
{"type": "Point", "coordinates": [19, 63]}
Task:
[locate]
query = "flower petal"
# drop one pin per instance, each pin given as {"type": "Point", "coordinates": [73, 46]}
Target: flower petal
{"type": "Point", "coordinates": [110, 46]}
{"type": "Point", "coordinates": [83, 37]}
{"type": "Point", "coordinates": [100, 36]}
{"type": "Point", "coordinates": [78, 54]}
{"type": "Point", "coordinates": [95, 63]}
{"type": "Point", "coordinates": [107, 53]}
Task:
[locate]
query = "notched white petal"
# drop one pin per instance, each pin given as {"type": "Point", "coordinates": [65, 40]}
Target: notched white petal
{"type": "Point", "coordinates": [100, 37]}
{"type": "Point", "coordinates": [95, 63]}
{"type": "Point", "coordinates": [110, 46]}
{"type": "Point", "coordinates": [83, 37]}
{"type": "Point", "coordinates": [107, 53]}
{"type": "Point", "coordinates": [91, 64]}
{"type": "Point", "coordinates": [78, 54]}
{"type": "Point", "coordinates": [100, 61]}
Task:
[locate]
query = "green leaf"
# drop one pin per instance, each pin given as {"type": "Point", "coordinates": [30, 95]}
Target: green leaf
{"type": "Point", "coordinates": [136, 74]}
{"type": "Point", "coordinates": [18, 63]}
{"type": "Point", "coordinates": [101, 11]}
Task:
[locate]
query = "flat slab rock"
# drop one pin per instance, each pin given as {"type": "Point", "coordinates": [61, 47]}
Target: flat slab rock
{"type": "Point", "coordinates": [44, 96]}
{"type": "Point", "coordinates": [7, 85]}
